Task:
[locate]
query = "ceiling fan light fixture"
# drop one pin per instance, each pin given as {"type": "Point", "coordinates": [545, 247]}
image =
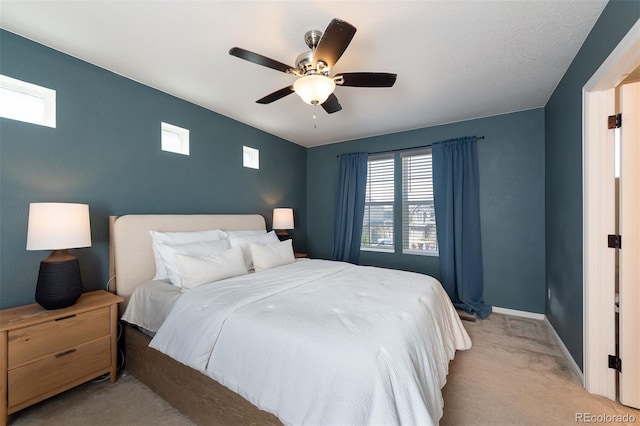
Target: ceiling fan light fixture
{"type": "Point", "coordinates": [314, 89]}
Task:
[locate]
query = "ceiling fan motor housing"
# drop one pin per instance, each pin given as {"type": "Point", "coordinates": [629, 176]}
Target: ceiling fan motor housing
{"type": "Point", "coordinates": [304, 62]}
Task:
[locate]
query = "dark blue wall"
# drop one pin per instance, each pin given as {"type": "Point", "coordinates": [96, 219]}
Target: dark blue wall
{"type": "Point", "coordinates": [511, 162]}
{"type": "Point", "coordinates": [563, 164]}
{"type": "Point", "coordinates": [106, 152]}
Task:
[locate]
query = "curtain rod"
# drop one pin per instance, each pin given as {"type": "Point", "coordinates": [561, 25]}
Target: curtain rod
{"type": "Point", "coordinates": [407, 149]}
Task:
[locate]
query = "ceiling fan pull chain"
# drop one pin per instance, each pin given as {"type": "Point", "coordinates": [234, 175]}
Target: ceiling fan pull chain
{"type": "Point", "coordinates": [315, 107]}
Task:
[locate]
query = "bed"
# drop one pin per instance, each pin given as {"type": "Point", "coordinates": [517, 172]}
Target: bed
{"type": "Point", "coordinates": [306, 342]}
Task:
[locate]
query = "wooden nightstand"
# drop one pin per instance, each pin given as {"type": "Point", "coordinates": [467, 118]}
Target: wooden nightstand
{"type": "Point", "coordinates": [43, 353]}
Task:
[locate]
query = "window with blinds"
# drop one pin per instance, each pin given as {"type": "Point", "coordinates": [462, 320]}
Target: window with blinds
{"type": "Point", "coordinates": [377, 227]}
{"type": "Point", "coordinates": [418, 213]}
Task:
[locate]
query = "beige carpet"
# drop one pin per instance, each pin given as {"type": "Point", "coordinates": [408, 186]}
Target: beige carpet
{"type": "Point", "coordinates": [128, 402]}
{"type": "Point", "coordinates": [515, 374]}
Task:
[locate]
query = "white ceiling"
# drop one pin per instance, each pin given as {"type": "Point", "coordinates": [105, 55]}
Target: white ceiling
{"type": "Point", "coordinates": [455, 60]}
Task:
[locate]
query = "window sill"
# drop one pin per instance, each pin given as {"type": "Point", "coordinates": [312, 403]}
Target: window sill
{"type": "Point", "coordinates": [420, 252]}
{"type": "Point", "coordinates": [378, 250]}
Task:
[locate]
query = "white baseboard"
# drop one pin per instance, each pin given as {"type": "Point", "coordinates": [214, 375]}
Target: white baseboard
{"type": "Point", "coordinates": [516, 313]}
{"type": "Point", "coordinates": [566, 352]}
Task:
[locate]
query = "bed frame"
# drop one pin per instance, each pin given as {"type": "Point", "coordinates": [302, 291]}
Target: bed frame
{"type": "Point", "coordinates": [131, 263]}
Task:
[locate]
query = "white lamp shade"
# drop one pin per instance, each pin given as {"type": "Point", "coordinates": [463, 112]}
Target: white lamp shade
{"type": "Point", "coordinates": [58, 226]}
{"type": "Point", "coordinates": [282, 218]}
{"type": "Point", "coordinates": [314, 89]}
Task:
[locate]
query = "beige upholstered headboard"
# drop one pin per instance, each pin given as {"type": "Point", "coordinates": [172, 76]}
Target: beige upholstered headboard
{"type": "Point", "coordinates": [131, 260]}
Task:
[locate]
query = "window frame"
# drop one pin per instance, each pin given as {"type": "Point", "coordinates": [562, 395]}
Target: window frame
{"type": "Point", "coordinates": [406, 202]}
{"type": "Point", "coordinates": [183, 138]}
{"type": "Point", "coordinates": [47, 95]}
{"type": "Point", "coordinates": [250, 157]}
{"type": "Point", "coordinates": [392, 203]}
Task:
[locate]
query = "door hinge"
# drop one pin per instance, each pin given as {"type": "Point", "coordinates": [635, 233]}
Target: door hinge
{"type": "Point", "coordinates": [615, 363]}
{"type": "Point", "coordinates": [614, 241]}
{"type": "Point", "coordinates": [615, 121]}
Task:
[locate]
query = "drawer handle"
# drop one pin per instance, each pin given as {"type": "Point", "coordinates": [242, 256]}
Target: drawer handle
{"type": "Point", "coordinates": [64, 318]}
{"type": "Point", "coordinates": [61, 354]}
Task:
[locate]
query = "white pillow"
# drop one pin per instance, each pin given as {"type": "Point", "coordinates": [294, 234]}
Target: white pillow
{"type": "Point", "coordinates": [168, 253]}
{"type": "Point", "coordinates": [229, 234]}
{"type": "Point", "coordinates": [272, 255]}
{"type": "Point", "coordinates": [195, 271]}
{"type": "Point", "coordinates": [243, 240]}
{"type": "Point", "coordinates": [179, 238]}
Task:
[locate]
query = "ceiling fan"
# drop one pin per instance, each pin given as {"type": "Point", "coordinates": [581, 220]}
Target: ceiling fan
{"type": "Point", "coordinates": [316, 84]}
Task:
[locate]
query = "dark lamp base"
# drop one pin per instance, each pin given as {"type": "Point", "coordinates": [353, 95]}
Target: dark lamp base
{"type": "Point", "coordinates": [59, 284]}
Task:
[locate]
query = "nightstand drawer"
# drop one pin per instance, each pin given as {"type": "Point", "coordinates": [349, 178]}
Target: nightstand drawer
{"type": "Point", "coordinates": [31, 343]}
{"type": "Point", "coordinates": [48, 374]}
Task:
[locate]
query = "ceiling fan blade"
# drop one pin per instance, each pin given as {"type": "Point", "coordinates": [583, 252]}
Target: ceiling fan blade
{"type": "Point", "coordinates": [332, 105]}
{"type": "Point", "coordinates": [278, 94]}
{"type": "Point", "coordinates": [261, 60]}
{"type": "Point", "coordinates": [365, 79]}
{"type": "Point", "coordinates": [333, 42]}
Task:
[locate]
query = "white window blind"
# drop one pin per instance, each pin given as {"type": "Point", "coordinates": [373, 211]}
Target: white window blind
{"type": "Point", "coordinates": [377, 227]}
{"type": "Point", "coordinates": [418, 213]}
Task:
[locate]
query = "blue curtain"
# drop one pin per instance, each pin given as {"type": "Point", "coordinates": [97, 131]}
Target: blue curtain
{"type": "Point", "coordinates": [349, 213]}
{"type": "Point", "coordinates": [457, 207]}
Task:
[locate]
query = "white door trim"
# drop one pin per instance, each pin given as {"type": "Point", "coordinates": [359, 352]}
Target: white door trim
{"type": "Point", "coordinates": [629, 267]}
{"type": "Point", "coordinates": [598, 213]}
{"type": "Point", "coordinates": [598, 259]}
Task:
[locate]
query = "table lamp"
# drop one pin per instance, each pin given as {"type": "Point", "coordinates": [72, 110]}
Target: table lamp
{"type": "Point", "coordinates": [58, 227]}
{"type": "Point", "coordinates": [282, 221]}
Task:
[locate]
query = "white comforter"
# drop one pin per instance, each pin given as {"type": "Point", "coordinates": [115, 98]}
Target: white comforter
{"type": "Point", "coordinates": [322, 343]}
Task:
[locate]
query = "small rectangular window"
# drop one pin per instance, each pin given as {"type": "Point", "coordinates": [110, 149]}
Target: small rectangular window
{"type": "Point", "coordinates": [27, 102]}
{"type": "Point", "coordinates": [377, 227]}
{"type": "Point", "coordinates": [418, 213]}
{"type": "Point", "coordinates": [174, 139]}
{"type": "Point", "coordinates": [250, 157]}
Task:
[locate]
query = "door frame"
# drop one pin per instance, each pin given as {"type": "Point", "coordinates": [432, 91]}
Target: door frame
{"type": "Point", "coordinates": [598, 101]}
